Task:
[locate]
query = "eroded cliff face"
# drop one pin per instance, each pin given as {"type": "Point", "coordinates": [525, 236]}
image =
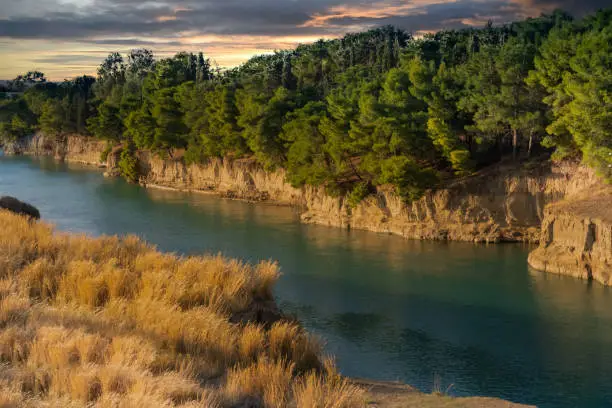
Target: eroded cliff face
{"type": "Point", "coordinates": [240, 179]}
{"type": "Point", "coordinates": [505, 203]}
{"type": "Point", "coordinates": [502, 204]}
{"type": "Point", "coordinates": [70, 148]}
{"type": "Point", "coordinates": [576, 237]}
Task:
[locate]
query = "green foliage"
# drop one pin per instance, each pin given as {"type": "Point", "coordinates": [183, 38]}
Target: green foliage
{"type": "Point", "coordinates": [195, 154]}
{"type": "Point", "coordinates": [505, 110]}
{"type": "Point", "coordinates": [36, 96]}
{"type": "Point", "coordinates": [170, 130]}
{"type": "Point", "coordinates": [358, 194]}
{"type": "Point", "coordinates": [307, 159]}
{"type": "Point", "coordinates": [14, 130]}
{"type": "Point", "coordinates": [107, 150]}
{"type": "Point", "coordinates": [107, 123]}
{"type": "Point", "coordinates": [574, 67]}
{"type": "Point", "coordinates": [352, 114]}
{"type": "Point", "coordinates": [128, 163]}
{"type": "Point", "coordinates": [222, 136]}
{"type": "Point", "coordinates": [461, 162]}
{"type": "Point", "coordinates": [409, 177]}
{"type": "Point", "coordinates": [140, 128]}
{"type": "Point", "coordinates": [52, 119]}
{"type": "Point", "coordinates": [261, 119]}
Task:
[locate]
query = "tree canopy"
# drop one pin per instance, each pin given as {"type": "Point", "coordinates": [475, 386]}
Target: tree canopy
{"type": "Point", "coordinates": [375, 108]}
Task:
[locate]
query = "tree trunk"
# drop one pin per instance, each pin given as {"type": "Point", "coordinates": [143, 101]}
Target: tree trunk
{"type": "Point", "coordinates": [514, 143]}
{"type": "Point", "coordinates": [530, 144]}
{"type": "Point", "coordinates": [354, 169]}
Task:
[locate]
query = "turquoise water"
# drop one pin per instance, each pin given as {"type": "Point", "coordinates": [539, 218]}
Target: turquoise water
{"type": "Point", "coordinates": [469, 317]}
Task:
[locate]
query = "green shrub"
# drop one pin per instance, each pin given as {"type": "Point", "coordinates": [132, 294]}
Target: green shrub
{"type": "Point", "coordinates": [410, 178]}
{"type": "Point", "coordinates": [195, 154]}
{"type": "Point", "coordinates": [461, 162]}
{"type": "Point", "coordinates": [128, 163]}
{"type": "Point", "coordinates": [358, 194]}
{"type": "Point", "coordinates": [14, 129]}
{"type": "Point", "coordinates": [106, 152]}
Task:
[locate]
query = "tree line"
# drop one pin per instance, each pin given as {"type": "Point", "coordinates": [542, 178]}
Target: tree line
{"type": "Point", "coordinates": [376, 108]}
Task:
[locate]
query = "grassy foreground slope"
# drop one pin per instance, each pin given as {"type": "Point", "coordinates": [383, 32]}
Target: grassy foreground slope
{"type": "Point", "coordinates": [111, 322]}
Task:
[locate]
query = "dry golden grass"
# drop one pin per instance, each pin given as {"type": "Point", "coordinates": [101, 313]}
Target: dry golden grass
{"type": "Point", "coordinates": [111, 322]}
{"type": "Point", "coordinates": [316, 391]}
{"type": "Point", "coordinates": [265, 382]}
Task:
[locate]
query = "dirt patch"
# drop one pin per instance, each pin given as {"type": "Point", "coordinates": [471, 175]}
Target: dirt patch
{"type": "Point", "coordinates": [397, 395]}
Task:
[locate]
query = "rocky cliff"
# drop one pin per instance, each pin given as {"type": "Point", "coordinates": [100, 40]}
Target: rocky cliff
{"type": "Point", "coordinates": [505, 203]}
{"type": "Point", "coordinates": [502, 204]}
{"type": "Point", "coordinates": [241, 179]}
{"type": "Point", "coordinates": [576, 237]}
{"type": "Point", "coordinates": [70, 148]}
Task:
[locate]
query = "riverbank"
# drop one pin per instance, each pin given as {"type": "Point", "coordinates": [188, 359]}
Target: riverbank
{"type": "Point", "coordinates": [396, 395]}
{"type": "Point", "coordinates": [504, 203]}
{"type": "Point", "coordinates": [110, 321]}
{"type": "Point", "coordinates": [388, 308]}
{"type": "Point", "coordinates": [500, 204]}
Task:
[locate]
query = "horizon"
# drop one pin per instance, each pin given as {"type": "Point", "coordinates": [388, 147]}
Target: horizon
{"type": "Point", "coordinates": [68, 38]}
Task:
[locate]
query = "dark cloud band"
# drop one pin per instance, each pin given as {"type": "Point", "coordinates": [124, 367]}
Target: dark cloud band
{"type": "Point", "coordinates": [171, 18]}
{"type": "Point", "coordinates": [227, 30]}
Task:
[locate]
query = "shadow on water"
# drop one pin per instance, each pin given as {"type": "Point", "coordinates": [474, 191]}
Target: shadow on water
{"type": "Point", "coordinates": [388, 308]}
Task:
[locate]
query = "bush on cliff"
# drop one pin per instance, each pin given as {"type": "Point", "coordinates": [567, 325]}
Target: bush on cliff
{"type": "Point", "coordinates": [107, 150]}
{"type": "Point", "coordinates": [112, 322]}
{"type": "Point", "coordinates": [128, 163]}
{"type": "Point", "coordinates": [13, 130]}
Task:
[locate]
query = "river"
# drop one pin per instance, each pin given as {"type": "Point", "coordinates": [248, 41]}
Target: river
{"type": "Point", "coordinates": [467, 319]}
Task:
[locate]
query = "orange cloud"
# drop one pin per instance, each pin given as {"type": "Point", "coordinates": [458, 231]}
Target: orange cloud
{"type": "Point", "coordinates": [173, 17]}
{"type": "Point", "coordinates": [161, 19]}
{"type": "Point", "coordinates": [475, 21]}
{"type": "Point", "coordinates": [380, 9]}
{"type": "Point", "coordinates": [232, 50]}
{"type": "Point", "coordinates": [226, 50]}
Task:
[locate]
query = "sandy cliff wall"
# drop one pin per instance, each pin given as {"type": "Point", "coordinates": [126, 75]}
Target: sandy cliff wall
{"type": "Point", "coordinates": [502, 204]}
{"type": "Point", "coordinates": [576, 237]}
{"type": "Point", "coordinates": [242, 179]}
{"type": "Point", "coordinates": [71, 148]}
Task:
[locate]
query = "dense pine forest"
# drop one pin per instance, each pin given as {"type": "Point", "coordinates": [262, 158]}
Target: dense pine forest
{"type": "Point", "coordinates": [382, 107]}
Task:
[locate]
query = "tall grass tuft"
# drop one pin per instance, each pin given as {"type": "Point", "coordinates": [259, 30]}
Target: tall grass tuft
{"type": "Point", "coordinates": [265, 382]}
{"type": "Point", "coordinates": [111, 322]}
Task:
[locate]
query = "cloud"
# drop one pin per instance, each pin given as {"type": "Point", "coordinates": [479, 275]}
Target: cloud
{"type": "Point", "coordinates": [131, 42]}
{"type": "Point", "coordinates": [232, 30]}
{"type": "Point", "coordinates": [175, 18]}
{"type": "Point", "coordinates": [70, 59]}
{"type": "Point", "coordinates": [578, 8]}
{"type": "Point", "coordinates": [375, 10]}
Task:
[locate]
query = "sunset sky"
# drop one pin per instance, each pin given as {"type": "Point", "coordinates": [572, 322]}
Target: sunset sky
{"type": "Point", "coordinates": [64, 38]}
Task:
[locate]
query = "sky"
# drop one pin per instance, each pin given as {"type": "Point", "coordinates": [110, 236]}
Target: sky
{"type": "Point", "coordinates": [65, 38]}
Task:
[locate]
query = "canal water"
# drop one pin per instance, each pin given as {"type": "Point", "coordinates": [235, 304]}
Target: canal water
{"type": "Point", "coordinates": [463, 318]}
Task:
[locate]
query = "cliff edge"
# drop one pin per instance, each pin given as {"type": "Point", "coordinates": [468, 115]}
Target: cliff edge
{"type": "Point", "coordinates": [500, 204]}
{"type": "Point", "coordinates": [576, 237]}
{"type": "Point", "coordinates": [504, 203]}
